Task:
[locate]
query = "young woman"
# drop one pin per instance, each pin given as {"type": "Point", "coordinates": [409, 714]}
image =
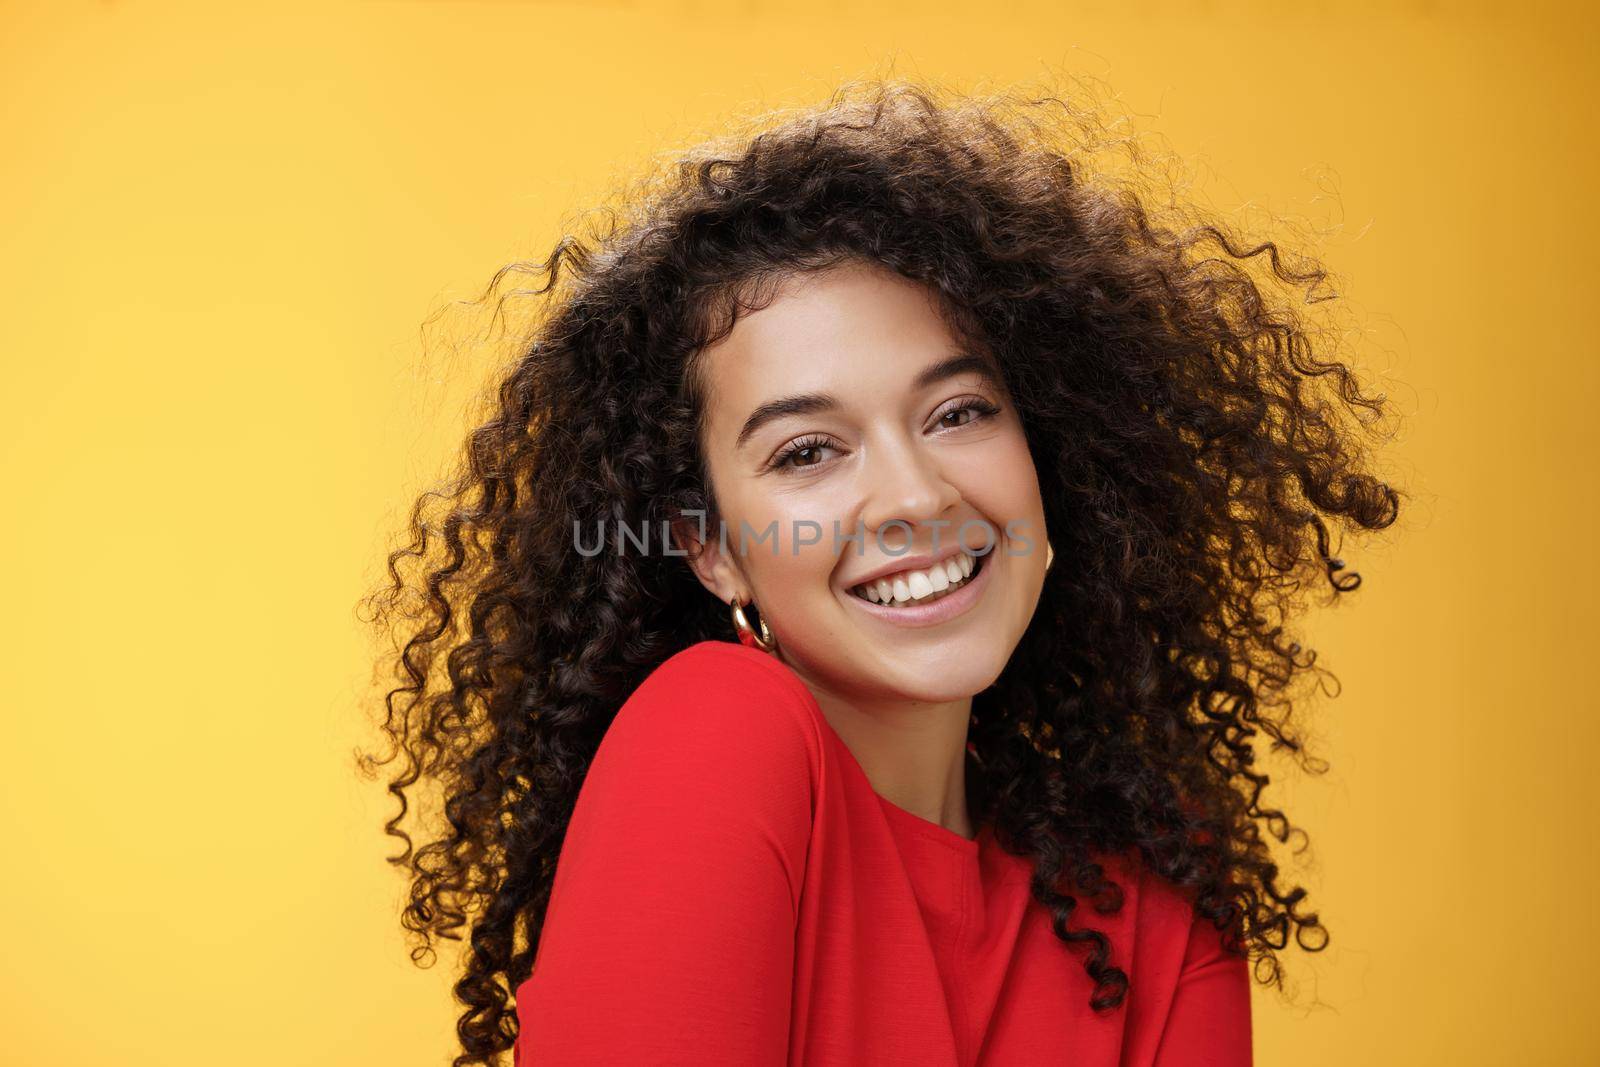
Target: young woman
{"type": "Point", "coordinates": [858, 614]}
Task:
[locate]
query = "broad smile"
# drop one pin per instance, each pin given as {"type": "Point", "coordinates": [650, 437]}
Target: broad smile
{"type": "Point", "coordinates": [936, 605]}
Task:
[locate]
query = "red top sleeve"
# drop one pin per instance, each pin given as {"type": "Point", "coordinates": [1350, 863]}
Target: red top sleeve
{"type": "Point", "coordinates": [1209, 1021]}
{"type": "Point", "coordinates": [670, 934]}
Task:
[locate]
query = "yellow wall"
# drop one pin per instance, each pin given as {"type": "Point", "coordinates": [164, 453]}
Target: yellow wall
{"type": "Point", "coordinates": [224, 227]}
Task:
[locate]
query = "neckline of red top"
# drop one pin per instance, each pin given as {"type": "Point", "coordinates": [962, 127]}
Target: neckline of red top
{"type": "Point", "coordinates": [932, 830]}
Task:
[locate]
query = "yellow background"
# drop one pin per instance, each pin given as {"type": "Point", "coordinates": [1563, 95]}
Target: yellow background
{"type": "Point", "coordinates": [225, 227]}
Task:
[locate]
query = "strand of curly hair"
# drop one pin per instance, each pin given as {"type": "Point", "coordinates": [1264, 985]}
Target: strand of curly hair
{"type": "Point", "coordinates": [1195, 455]}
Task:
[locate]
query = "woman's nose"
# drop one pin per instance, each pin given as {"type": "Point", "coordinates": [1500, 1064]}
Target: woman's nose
{"type": "Point", "coordinates": [906, 482]}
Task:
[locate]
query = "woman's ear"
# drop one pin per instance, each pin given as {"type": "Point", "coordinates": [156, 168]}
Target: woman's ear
{"type": "Point", "coordinates": [709, 559]}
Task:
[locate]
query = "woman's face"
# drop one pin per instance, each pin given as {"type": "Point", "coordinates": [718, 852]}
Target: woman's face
{"type": "Point", "coordinates": [847, 404]}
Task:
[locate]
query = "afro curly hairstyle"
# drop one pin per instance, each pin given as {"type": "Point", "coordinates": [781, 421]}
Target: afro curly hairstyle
{"type": "Point", "coordinates": [1195, 459]}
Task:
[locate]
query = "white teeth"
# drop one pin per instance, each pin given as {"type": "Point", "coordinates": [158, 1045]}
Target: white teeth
{"type": "Point", "coordinates": [936, 581]}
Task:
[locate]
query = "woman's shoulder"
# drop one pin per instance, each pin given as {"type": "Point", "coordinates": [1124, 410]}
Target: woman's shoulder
{"type": "Point", "coordinates": [681, 870]}
{"type": "Point", "coordinates": [721, 668]}
{"type": "Point", "coordinates": [1182, 974]}
{"type": "Point", "coordinates": [1159, 904]}
{"type": "Point", "coordinates": [1169, 927]}
{"type": "Point", "coordinates": [718, 703]}
{"type": "Point", "coordinates": [716, 678]}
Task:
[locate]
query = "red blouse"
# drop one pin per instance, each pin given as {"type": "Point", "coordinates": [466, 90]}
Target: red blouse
{"type": "Point", "coordinates": [731, 891]}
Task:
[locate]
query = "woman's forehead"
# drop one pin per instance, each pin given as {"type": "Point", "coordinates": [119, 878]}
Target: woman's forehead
{"type": "Point", "coordinates": [855, 331]}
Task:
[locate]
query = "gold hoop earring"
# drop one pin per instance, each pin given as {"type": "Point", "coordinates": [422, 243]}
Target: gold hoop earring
{"type": "Point", "coordinates": [747, 633]}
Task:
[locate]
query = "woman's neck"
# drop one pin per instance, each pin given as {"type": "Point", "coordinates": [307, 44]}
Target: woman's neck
{"type": "Point", "coordinates": [913, 752]}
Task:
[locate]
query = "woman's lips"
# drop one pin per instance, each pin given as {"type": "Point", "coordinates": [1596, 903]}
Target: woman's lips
{"type": "Point", "coordinates": [934, 612]}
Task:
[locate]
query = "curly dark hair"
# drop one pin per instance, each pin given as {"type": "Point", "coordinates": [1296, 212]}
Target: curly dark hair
{"type": "Point", "coordinates": [1194, 456]}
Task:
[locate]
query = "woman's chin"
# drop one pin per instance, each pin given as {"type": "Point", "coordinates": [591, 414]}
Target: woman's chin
{"type": "Point", "coordinates": [941, 680]}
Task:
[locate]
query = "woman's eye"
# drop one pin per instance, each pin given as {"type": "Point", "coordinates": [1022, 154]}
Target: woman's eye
{"type": "Point", "coordinates": [801, 454]}
{"type": "Point", "coordinates": [810, 452]}
{"type": "Point", "coordinates": [967, 411]}
{"type": "Point", "coordinates": [804, 457]}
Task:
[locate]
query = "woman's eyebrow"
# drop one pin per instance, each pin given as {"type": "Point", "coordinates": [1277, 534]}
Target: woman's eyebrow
{"type": "Point", "coordinates": [811, 403]}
